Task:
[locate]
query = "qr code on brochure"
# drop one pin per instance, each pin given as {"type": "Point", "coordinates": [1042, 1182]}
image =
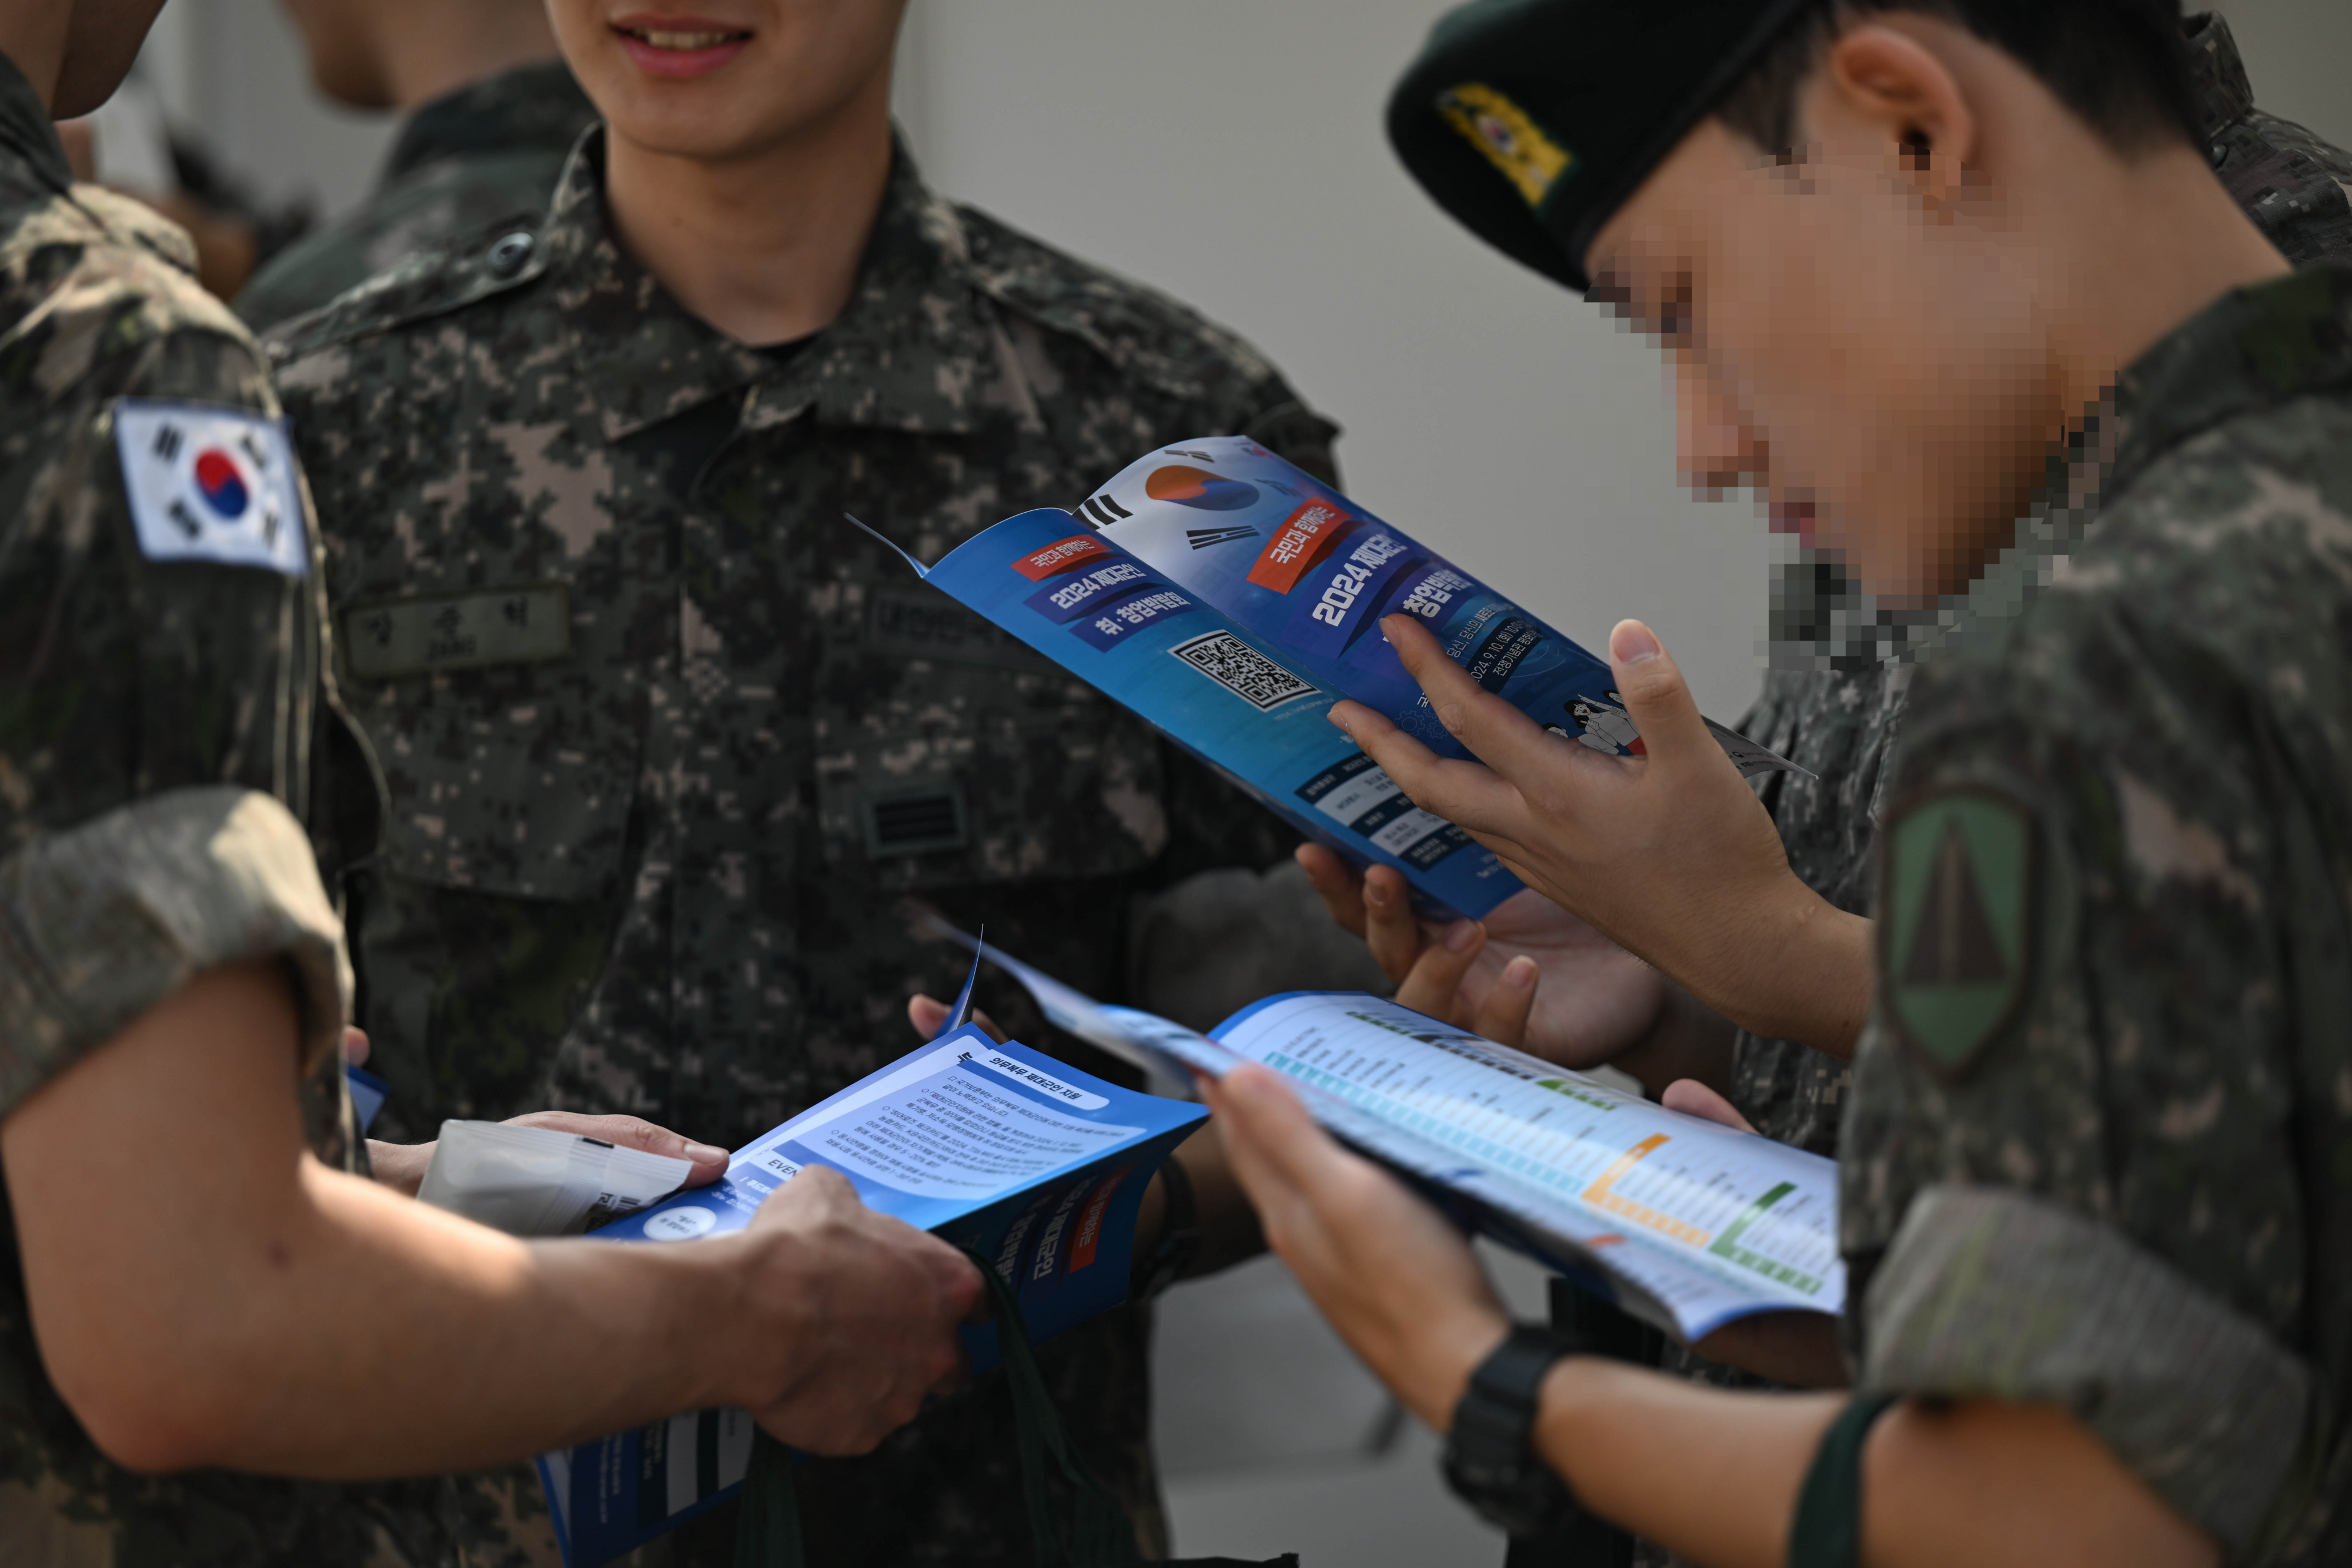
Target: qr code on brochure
{"type": "Point", "coordinates": [1241, 670]}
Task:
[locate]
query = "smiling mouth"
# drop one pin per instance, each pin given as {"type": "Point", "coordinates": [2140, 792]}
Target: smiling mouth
{"type": "Point", "coordinates": [681, 43]}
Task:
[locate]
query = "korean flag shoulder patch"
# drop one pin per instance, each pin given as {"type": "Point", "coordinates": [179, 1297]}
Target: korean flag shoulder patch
{"type": "Point", "coordinates": [211, 483]}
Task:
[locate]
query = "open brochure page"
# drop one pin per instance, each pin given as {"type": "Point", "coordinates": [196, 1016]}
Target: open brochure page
{"type": "Point", "coordinates": [1687, 1224]}
{"type": "Point", "coordinates": [1712, 1223]}
{"type": "Point", "coordinates": [996, 1147]}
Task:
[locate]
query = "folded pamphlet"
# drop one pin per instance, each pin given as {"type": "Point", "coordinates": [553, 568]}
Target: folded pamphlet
{"type": "Point", "coordinates": [1686, 1225]}
{"type": "Point", "coordinates": [1230, 599]}
{"type": "Point", "coordinates": [995, 1148]}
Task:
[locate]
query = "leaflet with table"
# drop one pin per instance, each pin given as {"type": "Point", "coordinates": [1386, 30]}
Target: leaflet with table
{"type": "Point", "coordinates": [1686, 1224]}
{"type": "Point", "coordinates": [1230, 599]}
{"type": "Point", "coordinates": [995, 1148]}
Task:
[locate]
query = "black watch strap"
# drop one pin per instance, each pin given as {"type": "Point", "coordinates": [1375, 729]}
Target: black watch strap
{"type": "Point", "coordinates": [1179, 1234]}
{"type": "Point", "coordinates": [1490, 1458]}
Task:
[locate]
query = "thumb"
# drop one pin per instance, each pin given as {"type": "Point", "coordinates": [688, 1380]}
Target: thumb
{"type": "Point", "coordinates": [1660, 703]}
{"type": "Point", "coordinates": [1272, 1142]}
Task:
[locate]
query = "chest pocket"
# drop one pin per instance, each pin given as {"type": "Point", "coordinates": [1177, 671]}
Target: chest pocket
{"type": "Point", "coordinates": [508, 769]}
{"type": "Point", "coordinates": [948, 752]}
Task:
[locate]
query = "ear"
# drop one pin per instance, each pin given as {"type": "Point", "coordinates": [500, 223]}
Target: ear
{"type": "Point", "coordinates": [1891, 80]}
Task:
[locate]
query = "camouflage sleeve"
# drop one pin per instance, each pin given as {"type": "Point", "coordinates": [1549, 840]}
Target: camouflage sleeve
{"type": "Point", "coordinates": [2067, 1169]}
{"type": "Point", "coordinates": [101, 922]}
{"type": "Point", "coordinates": [158, 709]}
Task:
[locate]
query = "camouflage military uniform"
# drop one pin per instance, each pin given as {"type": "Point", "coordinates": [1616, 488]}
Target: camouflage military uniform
{"type": "Point", "coordinates": [1834, 698]}
{"type": "Point", "coordinates": [2099, 1150]}
{"type": "Point", "coordinates": [467, 159]}
{"type": "Point", "coordinates": [164, 736]}
{"type": "Point", "coordinates": [675, 753]}
{"type": "Point", "coordinates": [1841, 668]}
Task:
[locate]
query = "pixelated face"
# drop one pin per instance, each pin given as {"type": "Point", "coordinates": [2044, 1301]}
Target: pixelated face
{"type": "Point", "coordinates": [1877, 367]}
{"type": "Point", "coordinates": [718, 79]}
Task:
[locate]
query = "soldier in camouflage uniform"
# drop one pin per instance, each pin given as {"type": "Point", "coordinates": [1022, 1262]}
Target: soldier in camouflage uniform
{"type": "Point", "coordinates": [174, 764]}
{"type": "Point", "coordinates": [464, 158]}
{"type": "Point", "coordinates": [677, 758]}
{"type": "Point", "coordinates": [2096, 1153]}
{"type": "Point", "coordinates": [1834, 697]}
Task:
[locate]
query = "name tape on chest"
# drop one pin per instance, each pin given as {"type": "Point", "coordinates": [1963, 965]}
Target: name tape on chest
{"type": "Point", "coordinates": [211, 484]}
{"type": "Point", "coordinates": [522, 624]}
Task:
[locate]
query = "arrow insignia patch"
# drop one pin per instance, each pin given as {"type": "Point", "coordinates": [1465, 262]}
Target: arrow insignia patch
{"type": "Point", "coordinates": [1956, 912]}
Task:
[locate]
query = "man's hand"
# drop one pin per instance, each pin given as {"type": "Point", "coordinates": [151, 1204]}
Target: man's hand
{"type": "Point", "coordinates": [1531, 975]}
{"type": "Point", "coordinates": [1669, 853]}
{"type": "Point", "coordinates": [1398, 1283]}
{"type": "Point", "coordinates": [867, 1306]}
{"type": "Point", "coordinates": [401, 1167]}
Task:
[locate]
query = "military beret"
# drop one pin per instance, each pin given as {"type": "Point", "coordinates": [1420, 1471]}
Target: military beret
{"type": "Point", "coordinates": [1533, 120]}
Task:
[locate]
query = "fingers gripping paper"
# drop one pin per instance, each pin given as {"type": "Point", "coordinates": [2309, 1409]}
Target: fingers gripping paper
{"type": "Point", "coordinates": [1230, 599]}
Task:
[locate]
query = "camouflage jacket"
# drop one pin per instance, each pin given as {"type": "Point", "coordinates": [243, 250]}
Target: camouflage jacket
{"type": "Point", "coordinates": [2099, 1150]}
{"type": "Point", "coordinates": [166, 736]}
{"type": "Point", "coordinates": [464, 160]}
{"type": "Point", "coordinates": [1834, 698]}
{"type": "Point", "coordinates": [676, 754]}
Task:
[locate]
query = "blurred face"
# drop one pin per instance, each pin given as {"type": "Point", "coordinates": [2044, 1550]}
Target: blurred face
{"type": "Point", "coordinates": [345, 64]}
{"type": "Point", "coordinates": [722, 79]}
{"type": "Point", "coordinates": [1874, 364]}
{"type": "Point", "coordinates": [102, 41]}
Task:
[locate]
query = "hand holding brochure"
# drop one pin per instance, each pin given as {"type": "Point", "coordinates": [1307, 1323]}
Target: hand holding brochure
{"type": "Point", "coordinates": [995, 1148]}
{"type": "Point", "coordinates": [1230, 599]}
{"type": "Point", "coordinates": [1686, 1225]}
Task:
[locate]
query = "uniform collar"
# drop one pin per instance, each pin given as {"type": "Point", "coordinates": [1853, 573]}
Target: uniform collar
{"type": "Point", "coordinates": [2224, 95]}
{"type": "Point", "coordinates": [2250, 349]}
{"type": "Point", "coordinates": [29, 148]}
{"type": "Point", "coordinates": [914, 350]}
{"type": "Point", "coordinates": [531, 108]}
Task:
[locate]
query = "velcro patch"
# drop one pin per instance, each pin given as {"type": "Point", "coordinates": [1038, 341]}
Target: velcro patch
{"type": "Point", "coordinates": [1955, 916]}
{"type": "Point", "coordinates": [386, 639]}
{"type": "Point", "coordinates": [212, 485]}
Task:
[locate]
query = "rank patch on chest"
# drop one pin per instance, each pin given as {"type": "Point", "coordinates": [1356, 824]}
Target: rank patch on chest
{"type": "Point", "coordinates": [211, 484]}
{"type": "Point", "coordinates": [1956, 911]}
{"type": "Point", "coordinates": [387, 638]}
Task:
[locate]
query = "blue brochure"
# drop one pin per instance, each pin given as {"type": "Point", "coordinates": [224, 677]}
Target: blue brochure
{"type": "Point", "coordinates": [996, 1147]}
{"type": "Point", "coordinates": [1230, 599]}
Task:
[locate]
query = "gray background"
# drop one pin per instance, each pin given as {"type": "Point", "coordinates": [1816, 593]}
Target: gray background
{"type": "Point", "coordinates": [1230, 152]}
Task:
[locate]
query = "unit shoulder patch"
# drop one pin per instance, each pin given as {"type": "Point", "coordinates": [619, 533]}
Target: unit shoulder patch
{"type": "Point", "coordinates": [1956, 911]}
{"type": "Point", "coordinates": [211, 483]}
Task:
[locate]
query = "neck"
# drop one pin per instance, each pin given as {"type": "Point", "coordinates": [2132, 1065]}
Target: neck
{"type": "Point", "coordinates": [33, 37]}
{"type": "Point", "coordinates": [763, 247]}
{"type": "Point", "coordinates": [2187, 242]}
{"type": "Point", "coordinates": [429, 47]}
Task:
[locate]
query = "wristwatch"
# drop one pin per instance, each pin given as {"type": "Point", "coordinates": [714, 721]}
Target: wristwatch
{"type": "Point", "coordinates": [1490, 1460]}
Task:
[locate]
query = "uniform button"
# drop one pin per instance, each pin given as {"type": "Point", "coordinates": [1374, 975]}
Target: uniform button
{"type": "Point", "coordinates": [510, 252]}
{"type": "Point", "coordinates": [2221, 153]}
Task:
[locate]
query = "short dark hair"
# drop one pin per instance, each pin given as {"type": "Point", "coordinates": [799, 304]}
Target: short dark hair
{"type": "Point", "coordinates": [2119, 65]}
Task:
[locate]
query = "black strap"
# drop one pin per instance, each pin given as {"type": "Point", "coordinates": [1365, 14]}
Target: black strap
{"type": "Point", "coordinates": [768, 1532]}
{"type": "Point", "coordinates": [1828, 1529]}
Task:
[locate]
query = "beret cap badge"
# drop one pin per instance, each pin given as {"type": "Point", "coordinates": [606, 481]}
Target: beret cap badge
{"type": "Point", "coordinates": [1513, 142]}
